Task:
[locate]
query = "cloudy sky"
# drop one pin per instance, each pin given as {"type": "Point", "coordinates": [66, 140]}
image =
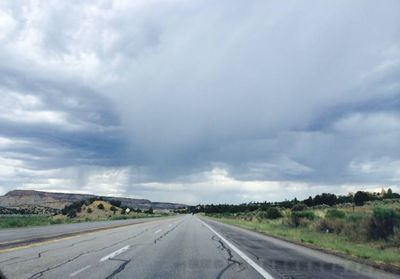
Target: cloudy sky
{"type": "Point", "coordinates": [200, 101]}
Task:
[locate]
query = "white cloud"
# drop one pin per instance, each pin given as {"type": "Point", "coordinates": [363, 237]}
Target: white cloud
{"type": "Point", "coordinates": [383, 168]}
{"type": "Point", "coordinates": [369, 123]}
{"type": "Point", "coordinates": [259, 100]}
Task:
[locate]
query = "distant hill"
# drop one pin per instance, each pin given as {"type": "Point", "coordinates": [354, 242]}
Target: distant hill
{"type": "Point", "coordinates": [38, 201]}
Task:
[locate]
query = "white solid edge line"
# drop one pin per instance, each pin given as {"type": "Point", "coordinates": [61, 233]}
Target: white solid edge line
{"type": "Point", "coordinates": [114, 254]}
{"type": "Point", "coordinates": [157, 231]}
{"type": "Point", "coordinates": [258, 268]}
{"type": "Point", "coordinates": [79, 271]}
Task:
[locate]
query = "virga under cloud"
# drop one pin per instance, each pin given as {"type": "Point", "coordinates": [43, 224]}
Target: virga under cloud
{"type": "Point", "coordinates": [200, 100]}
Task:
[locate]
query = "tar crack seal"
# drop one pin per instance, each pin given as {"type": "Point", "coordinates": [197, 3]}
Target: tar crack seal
{"type": "Point", "coordinates": [231, 261]}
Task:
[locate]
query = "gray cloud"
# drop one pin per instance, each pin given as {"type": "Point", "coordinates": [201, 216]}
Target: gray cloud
{"type": "Point", "coordinates": [180, 94]}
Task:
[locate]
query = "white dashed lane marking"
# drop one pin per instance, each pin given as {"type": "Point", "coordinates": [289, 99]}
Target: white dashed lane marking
{"type": "Point", "coordinates": [114, 254]}
{"type": "Point", "coordinates": [79, 271]}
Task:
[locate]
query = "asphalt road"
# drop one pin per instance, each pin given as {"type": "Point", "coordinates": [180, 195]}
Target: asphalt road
{"type": "Point", "coordinates": [180, 247]}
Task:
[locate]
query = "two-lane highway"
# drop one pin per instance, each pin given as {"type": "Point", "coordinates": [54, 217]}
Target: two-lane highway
{"type": "Point", "coordinates": [180, 247]}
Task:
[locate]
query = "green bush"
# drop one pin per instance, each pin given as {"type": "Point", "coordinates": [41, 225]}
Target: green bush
{"type": "Point", "coordinates": [304, 214]}
{"type": "Point", "coordinates": [270, 213]}
{"type": "Point", "coordinates": [298, 217]}
{"type": "Point", "coordinates": [299, 207]}
{"type": "Point", "coordinates": [89, 210]}
{"type": "Point", "coordinates": [335, 214]}
{"type": "Point", "coordinates": [273, 213]}
{"type": "Point", "coordinates": [383, 223]}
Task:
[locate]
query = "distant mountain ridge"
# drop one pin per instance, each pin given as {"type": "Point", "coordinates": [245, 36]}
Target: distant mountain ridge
{"type": "Point", "coordinates": [33, 198]}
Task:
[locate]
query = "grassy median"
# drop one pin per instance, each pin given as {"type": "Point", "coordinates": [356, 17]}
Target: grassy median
{"type": "Point", "coordinates": [21, 221]}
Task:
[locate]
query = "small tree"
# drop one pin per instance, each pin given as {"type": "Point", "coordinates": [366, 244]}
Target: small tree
{"type": "Point", "coordinates": [89, 210]}
{"type": "Point", "coordinates": [299, 207]}
{"type": "Point", "coordinates": [113, 209]}
{"type": "Point", "coordinates": [273, 213]}
{"type": "Point", "coordinates": [309, 201]}
{"type": "Point", "coordinates": [360, 198]}
{"type": "Point", "coordinates": [388, 194]}
{"type": "Point", "coordinates": [72, 213]}
{"type": "Point", "coordinates": [100, 206]}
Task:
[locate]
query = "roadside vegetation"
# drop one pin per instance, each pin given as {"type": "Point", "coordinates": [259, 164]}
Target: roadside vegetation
{"type": "Point", "coordinates": [94, 209]}
{"type": "Point", "coordinates": [367, 228]}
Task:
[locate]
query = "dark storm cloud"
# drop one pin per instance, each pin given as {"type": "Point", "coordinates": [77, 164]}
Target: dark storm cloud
{"type": "Point", "coordinates": [94, 139]}
{"type": "Point", "coordinates": [266, 92]}
{"type": "Point", "coordinates": [167, 96]}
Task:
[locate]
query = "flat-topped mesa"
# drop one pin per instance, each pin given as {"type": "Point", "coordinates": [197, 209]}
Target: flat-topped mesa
{"type": "Point", "coordinates": [18, 198]}
{"type": "Point", "coordinates": [23, 193]}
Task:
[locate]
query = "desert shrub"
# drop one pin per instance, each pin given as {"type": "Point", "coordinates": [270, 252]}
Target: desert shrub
{"type": "Point", "coordinates": [261, 215]}
{"type": "Point", "coordinates": [331, 225]}
{"type": "Point", "coordinates": [355, 217]}
{"type": "Point", "coordinates": [383, 223]}
{"type": "Point", "coordinates": [246, 216]}
{"type": "Point", "coordinates": [273, 213]}
{"type": "Point", "coordinates": [100, 206]}
{"type": "Point", "coordinates": [270, 213]}
{"type": "Point", "coordinates": [396, 235]}
{"type": "Point", "coordinates": [89, 210]}
{"type": "Point", "coordinates": [356, 230]}
{"type": "Point", "coordinates": [295, 221]}
{"type": "Point", "coordinates": [321, 206]}
{"type": "Point", "coordinates": [299, 207]}
{"type": "Point", "coordinates": [298, 218]}
{"type": "Point", "coordinates": [72, 213]}
{"type": "Point", "coordinates": [304, 214]}
{"type": "Point", "coordinates": [335, 214]}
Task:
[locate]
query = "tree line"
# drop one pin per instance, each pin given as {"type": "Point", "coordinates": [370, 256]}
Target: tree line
{"type": "Point", "coordinates": [358, 199]}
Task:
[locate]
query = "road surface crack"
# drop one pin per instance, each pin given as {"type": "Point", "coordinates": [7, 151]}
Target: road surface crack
{"type": "Point", "coordinates": [39, 255]}
{"type": "Point", "coordinates": [40, 273]}
{"type": "Point", "coordinates": [231, 261]}
{"type": "Point", "coordinates": [119, 269]}
{"type": "Point", "coordinates": [10, 259]}
{"type": "Point", "coordinates": [166, 233]}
